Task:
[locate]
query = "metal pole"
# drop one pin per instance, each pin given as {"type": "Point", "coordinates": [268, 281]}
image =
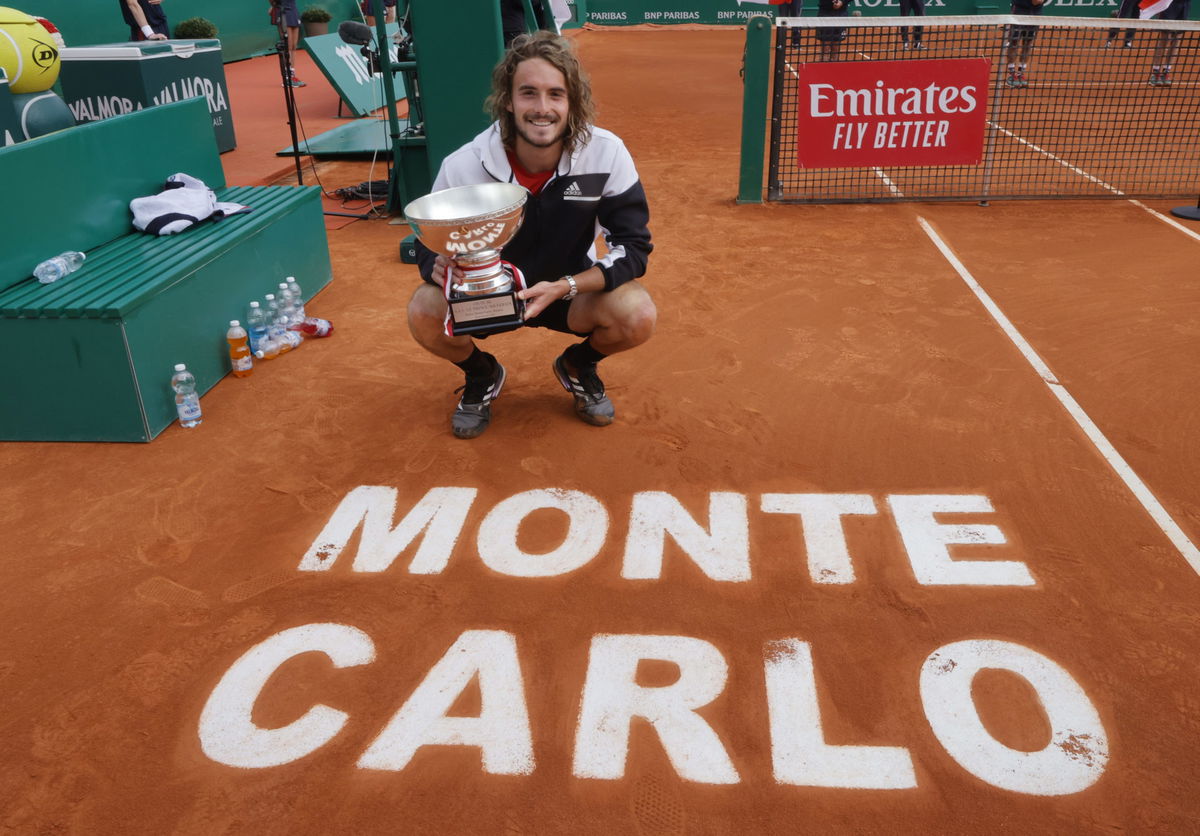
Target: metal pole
{"type": "Point", "coordinates": [395, 198]}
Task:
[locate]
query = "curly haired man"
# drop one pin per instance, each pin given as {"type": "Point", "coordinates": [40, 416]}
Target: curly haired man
{"type": "Point", "coordinates": [581, 181]}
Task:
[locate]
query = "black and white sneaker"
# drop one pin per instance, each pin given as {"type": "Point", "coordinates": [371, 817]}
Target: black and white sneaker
{"type": "Point", "coordinates": [591, 404]}
{"type": "Point", "coordinates": [474, 411]}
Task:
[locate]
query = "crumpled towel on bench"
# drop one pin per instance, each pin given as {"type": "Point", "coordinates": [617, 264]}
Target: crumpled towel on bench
{"type": "Point", "coordinates": [183, 203]}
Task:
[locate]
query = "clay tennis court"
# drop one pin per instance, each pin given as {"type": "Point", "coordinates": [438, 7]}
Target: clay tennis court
{"type": "Point", "coordinates": [838, 485]}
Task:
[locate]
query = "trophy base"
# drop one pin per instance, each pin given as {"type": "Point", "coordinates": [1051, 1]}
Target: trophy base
{"type": "Point", "coordinates": [489, 313]}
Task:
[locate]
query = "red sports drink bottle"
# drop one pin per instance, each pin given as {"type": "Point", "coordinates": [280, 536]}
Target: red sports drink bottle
{"type": "Point", "coordinates": [313, 326]}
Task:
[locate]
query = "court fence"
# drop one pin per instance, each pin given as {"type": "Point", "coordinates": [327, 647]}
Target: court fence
{"type": "Point", "coordinates": [850, 109]}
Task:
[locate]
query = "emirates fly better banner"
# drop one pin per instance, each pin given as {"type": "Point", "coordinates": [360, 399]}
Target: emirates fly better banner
{"type": "Point", "coordinates": [891, 113]}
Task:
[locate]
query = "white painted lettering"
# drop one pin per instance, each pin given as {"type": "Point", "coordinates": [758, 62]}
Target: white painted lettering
{"type": "Point", "coordinates": [440, 514]}
{"type": "Point", "coordinates": [926, 541]}
{"type": "Point", "coordinates": [821, 521]}
{"type": "Point", "coordinates": [501, 730]}
{"type": "Point", "coordinates": [612, 698]}
{"type": "Point", "coordinates": [799, 754]}
{"type": "Point", "coordinates": [1073, 759]}
{"type": "Point", "coordinates": [227, 732]}
{"type": "Point", "coordinates": [723, 555]}
{"type": "Point", "coordinates": [497, 542]}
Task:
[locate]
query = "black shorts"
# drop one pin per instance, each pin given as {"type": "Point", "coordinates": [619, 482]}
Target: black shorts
{"type": "Point", "coordinates": [1024, 33]}
{"type": "Point", "coordinates": [554, 318]}
{"type": "Point", "coordinates": [829, 35]}
{"type": "Point", "coordinates": [1179, 10]}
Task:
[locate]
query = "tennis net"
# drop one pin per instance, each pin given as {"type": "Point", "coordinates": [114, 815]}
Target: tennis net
{"type": "Point", "coordinates": [876, 109]}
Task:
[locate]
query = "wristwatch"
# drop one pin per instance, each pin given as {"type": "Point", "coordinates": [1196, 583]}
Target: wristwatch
{"type": "Point", "coordinates": [574, 291]}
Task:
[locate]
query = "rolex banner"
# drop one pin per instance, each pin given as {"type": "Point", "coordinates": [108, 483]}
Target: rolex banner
{"type": "Point", "coordinates": [891, 113]}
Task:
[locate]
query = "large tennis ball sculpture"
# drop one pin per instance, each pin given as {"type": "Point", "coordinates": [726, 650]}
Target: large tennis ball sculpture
{"type": "Point", "coordinates": [28, 54]}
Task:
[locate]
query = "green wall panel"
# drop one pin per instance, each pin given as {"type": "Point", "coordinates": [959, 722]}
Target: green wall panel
{"type": "Point", "coordinates": [245, 28]}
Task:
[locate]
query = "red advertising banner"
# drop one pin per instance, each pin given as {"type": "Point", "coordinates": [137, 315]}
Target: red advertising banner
{"type": "Point", "coordinates": [891, 113]}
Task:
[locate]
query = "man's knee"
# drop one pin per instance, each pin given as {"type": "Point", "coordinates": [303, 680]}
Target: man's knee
{"type": "Point", "coordinates": [426, 309]}
{"type": "Point", "coordinates": [634, 315]}
{"type": "Point", "coordinates": [642, 319]}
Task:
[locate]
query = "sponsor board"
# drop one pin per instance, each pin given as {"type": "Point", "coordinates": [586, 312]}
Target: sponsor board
{"type": "Point", "coordinates": [891, 113]}
{"type": "Point", "coordinates": [736, 12]}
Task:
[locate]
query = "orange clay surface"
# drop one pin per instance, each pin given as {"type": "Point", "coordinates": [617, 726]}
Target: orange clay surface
{"type": "Point", "coordinates": [800, 350]}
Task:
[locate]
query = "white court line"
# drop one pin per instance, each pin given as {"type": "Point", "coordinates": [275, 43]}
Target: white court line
{"type": "Point", "coordinates": [887, 181]}
{"type": "Point", "coordinates": [1167, 220]}
{"type": "Point", "coordinates": [1142, 493]}
{"type": "Point", "coordinates": [1056, 159]}
{"type": "Point", "coordinates": [1189, 232]}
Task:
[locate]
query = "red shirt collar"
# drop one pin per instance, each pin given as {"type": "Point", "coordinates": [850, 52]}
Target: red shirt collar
{"type": "Point", "coordinates": [533, 182]}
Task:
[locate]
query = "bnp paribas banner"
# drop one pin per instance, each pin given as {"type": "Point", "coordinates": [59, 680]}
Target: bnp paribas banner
{"type": "Point", "coordinates": [631, 12]}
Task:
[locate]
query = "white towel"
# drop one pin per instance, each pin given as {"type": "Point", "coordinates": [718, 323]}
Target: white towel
{"type": "Point", "coordinates": [183, 203]}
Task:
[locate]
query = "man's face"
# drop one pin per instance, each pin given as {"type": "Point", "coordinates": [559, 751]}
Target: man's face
{"type": "Point", "coordinates": [539, 103]}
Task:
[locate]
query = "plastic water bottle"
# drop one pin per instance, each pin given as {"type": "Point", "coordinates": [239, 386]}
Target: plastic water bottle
{"type": "Point", "coordinates": [239, 350]}
{"type": "Point", "coordinates": [287, 317]}
{"type": "Point", "coordinates": [55, 268]}
{"type": "Point", "coordinates": [187, 402]}
{"type": "Point", "coordinates": [268, 348]}
{"type": "Point", "coordinates": [287, 304]}
{"type": "Point", "coordinates": [297, 299]}
{"type": "Point", "coordinates": [271, 306]}
{"type": "Point", "coordinates": [292, 339]}
{"type": "Point", "coordinates": [276, 329]}
{"type": "Point", "coordinates": [256, 324]}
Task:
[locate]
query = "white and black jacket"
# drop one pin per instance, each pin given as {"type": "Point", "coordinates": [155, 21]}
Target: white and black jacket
{"type": "Point", "coordinates": [595, 190]}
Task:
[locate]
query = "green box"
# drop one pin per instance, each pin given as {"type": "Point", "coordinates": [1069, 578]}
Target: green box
{"type": "Point", "coordinates": [408, 250]}
{"type": "Point", "coordinates": [110, 79]}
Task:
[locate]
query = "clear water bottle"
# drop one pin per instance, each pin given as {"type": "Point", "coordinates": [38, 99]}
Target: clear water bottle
{"type": "Point", "coordinates": [55, 268]}
{"type": "Point", "coordinates": [287, 305]}
{"type": "Point", "coordinates": [292, 339]}
{"type": "Point", "coordinates": [276, 329]}
{"type": "Point", "coordinates": [256, 325]}
{"type": "Point", "coordinates": [239, 350]}
{"type": "Point", "coordinates": [271, 306]}
{"type": "Point", "coordinates": [297, 299]}
{"type": "Point", "coordinates": [268, 348]}
{"type": "Point", "coordinates": [187, 402]}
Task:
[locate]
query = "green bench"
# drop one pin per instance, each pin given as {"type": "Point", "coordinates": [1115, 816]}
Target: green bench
{"type": "Point", "coordinates": [90, 357]}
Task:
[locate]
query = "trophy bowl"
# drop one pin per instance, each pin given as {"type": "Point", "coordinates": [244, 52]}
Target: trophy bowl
{"type": "Point", "coordinates": [468, 219]}
{"type": "Point", "coordinates": [471, 224]}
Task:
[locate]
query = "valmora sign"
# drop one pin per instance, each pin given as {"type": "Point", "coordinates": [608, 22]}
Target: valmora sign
{"type": "Point", "coordinates": [891, 113]}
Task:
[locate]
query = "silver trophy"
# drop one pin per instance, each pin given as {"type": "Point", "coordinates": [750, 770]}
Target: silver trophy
{"type": "Point", "coordinates": [471, 224]}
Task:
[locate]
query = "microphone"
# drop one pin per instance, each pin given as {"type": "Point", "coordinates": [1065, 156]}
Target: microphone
{"type": "Point", "coordinates": [353, 32]}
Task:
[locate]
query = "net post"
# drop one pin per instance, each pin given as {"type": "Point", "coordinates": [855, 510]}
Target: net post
{"type": "Point", "coordinates": [774, 186]}
{"type": "Point", "coordinates": [755, 82]}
